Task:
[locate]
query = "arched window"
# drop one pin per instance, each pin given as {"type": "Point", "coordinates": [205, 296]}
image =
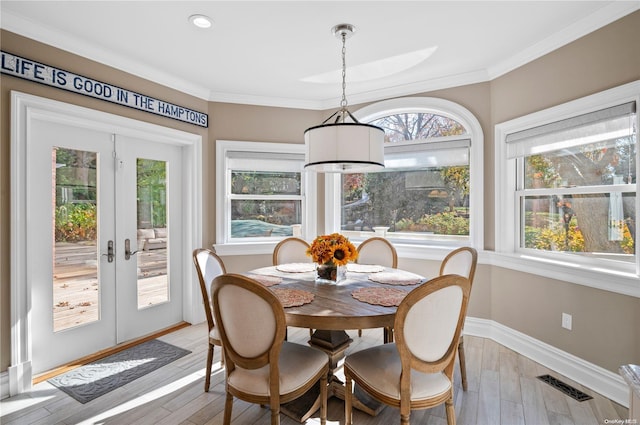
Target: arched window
{"type": "Point", "coordinates": [430, 191]}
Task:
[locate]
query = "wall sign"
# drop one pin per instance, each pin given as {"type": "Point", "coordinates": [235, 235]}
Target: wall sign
{"type": "Point", "coordinates": [55, 77]}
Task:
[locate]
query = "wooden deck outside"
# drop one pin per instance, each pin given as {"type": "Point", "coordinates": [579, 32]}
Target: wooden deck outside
{"type": "Point", "coordinates": [76, 287]}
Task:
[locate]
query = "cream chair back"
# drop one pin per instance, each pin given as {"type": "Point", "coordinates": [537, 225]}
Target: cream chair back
{"type": "Point", "coordinates": [248, 314]}
{"type": "Point", "coordinates": [461, 261]}
{"type": "Point", "coordinates": [429, 321]}
{"type": "Point", "coordinates": [378, 251]}
{"type": "Point", "coordinates": [208, 266]}
{"type": "Point", "coordinates": [291, 250]}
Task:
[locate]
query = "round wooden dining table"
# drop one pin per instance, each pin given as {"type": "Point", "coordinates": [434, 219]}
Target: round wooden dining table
{"type": "Point", "coordinates": [331, 308]}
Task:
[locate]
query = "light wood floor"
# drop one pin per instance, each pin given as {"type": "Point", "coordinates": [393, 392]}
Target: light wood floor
{"type": "Point", "coordinates": [503, 389]}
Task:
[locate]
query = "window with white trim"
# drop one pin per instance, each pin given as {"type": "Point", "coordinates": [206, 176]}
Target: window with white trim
{"type": "Point", "coordinates": [425, 194]}
{"type": "Point", "coordinates": [261, 192]}
{"type": "Point", "coordinates": [566, 183]}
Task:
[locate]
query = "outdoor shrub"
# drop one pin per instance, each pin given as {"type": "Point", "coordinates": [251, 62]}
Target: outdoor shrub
{"type": "Point", "coordinates": [76, 222]}
{"type": "Point", "coordinates": [446, 223]}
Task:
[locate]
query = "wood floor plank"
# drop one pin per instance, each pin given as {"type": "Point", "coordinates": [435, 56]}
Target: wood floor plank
{"type": "Point", "coordinates": [509, 377]}
{"type": "Point", "coordinates": [490, 355]}
{"type": "Point", "coordinates": [467, 412]}
{"type": "Point", "coordinates": [533, 401]}
{"type": "Point", "coordinates": [511, 413]}
{"type": "Point", "coordinates": [503, 389]}
{"type": "Point", "coordinates": [489, 398]}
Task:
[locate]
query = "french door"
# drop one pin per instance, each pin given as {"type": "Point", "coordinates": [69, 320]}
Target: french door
{"type": "Point", "coordinates": [103, 238]}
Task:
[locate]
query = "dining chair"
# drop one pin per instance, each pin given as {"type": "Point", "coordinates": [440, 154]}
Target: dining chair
{"type": "Point", "coordinates": [380, 251]}
{"type": "Point", "coordinates": [291, 250]}
{"type": "Point", "coordinates": [415, 371]}
{"type": "Point", "coordinates": [461, 261]}
{"type": "Point", "coordinates": [377, 250]}
{"type": "Point", "coordinates": [208, 265]}
{"type": "Point", "coordinates": [261, 366]}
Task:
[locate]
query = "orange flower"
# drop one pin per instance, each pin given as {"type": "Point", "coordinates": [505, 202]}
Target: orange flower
{"type": "Point", "coordinates": [333, 249]}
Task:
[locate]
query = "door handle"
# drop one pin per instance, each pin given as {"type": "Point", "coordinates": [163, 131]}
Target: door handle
{"type": "Point", "coordinates": [127, 249]}
{"type": "Point", "coordinates": [110, 254]}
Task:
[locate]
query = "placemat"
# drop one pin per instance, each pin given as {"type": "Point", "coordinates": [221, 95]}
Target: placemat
{"type": "Point", "coordinates": [364, 268]}
{"type": "Point", "coordinates": [387, 297]}
{"type": "Point", "coordinates": [296, 267]}
{"type": "Point", "coordinates": [396, 278]}
{"type": "Point", "coordinates": [293, 297]}
{"type": "Point", "coordinates": [266, 280]}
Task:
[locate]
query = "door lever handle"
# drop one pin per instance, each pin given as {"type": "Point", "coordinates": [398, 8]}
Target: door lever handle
{"type": "Point", "coordinates": [110, 254]}
{"type": "Point", "coordinates": [127, 249]}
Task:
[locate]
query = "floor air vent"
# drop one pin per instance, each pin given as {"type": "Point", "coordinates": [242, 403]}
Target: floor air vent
{"type": "Point", "coordinates": [574, 393]}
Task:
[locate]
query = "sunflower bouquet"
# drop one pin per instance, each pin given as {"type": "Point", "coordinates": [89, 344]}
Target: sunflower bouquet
{"type": "Point", "coordinates": [334, 249]}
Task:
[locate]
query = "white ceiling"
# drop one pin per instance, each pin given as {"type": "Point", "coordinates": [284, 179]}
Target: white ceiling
{"type": "Point", "coordinates": [258, 52]}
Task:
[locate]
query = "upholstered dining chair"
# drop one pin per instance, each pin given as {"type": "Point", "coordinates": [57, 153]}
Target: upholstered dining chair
{"type": "Point", "coordinates": [291, 250]}
{"type": "Point", "coordinates": [261, 366]}
{"type": "Point", "coordinates": [208, 265]}
{"type": "Point", "coordinates": [416, 371]}
{"type": "Point", "coordinates": [461, 261]}
{"type": "Point", "coordinates": [380, 251]}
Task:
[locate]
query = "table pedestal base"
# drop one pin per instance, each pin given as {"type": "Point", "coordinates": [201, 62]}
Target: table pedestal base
{"type": "Point", "coordinates": [334, 343]}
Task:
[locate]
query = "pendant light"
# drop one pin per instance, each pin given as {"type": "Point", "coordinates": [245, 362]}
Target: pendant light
{"type": "Point", "coordinates": [344, 146]}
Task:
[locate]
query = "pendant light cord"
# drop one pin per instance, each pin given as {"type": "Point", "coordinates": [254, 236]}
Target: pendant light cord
{"type": "Point", "coordinates": [343, 102]}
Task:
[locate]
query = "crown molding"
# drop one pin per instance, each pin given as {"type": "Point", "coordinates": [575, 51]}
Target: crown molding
{"type": "Point", "coordinates": [60, 40]}
{"type": "Point", "coordinates": [604, 16]}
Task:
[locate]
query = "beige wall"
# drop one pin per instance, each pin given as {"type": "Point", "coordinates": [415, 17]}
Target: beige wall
{"type": "Point", "coordinates": [606, 325]}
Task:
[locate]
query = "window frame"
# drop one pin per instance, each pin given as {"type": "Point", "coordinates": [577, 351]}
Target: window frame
{"type": "Point", "coordinates": [562, 266]}
{"type": "Point", "coordinates": [423, 249]}
{"type": "Point", "coordinates": [225, 245]}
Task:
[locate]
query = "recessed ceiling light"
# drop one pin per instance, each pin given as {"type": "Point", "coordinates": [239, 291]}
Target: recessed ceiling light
{"type": "Point", "coordinates": [200, 21]}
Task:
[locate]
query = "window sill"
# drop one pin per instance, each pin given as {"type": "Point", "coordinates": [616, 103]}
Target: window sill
{"type": "Point", "coordinates": [592, 276]}
{"type": "Point", "coordinates": [246, 248]}
{"type": "Point", "coordinates": [405, 250]}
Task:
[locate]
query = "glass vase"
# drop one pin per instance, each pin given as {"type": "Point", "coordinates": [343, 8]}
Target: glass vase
{"type": "Point", "coordinates": [330, 273]}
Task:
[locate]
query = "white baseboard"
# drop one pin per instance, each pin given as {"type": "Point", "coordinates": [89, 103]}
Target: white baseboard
{"type": "Point", "coordinates": [16, 380]}
{"type": "Point", "coordinates": [594, 377]}
{"type": "Point", "coordinates": [4, 385]}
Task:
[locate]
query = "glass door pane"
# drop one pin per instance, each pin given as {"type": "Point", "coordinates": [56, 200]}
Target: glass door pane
{"type": "Point", "coordinates": [153, 235]}
{"type": "Point", "coordinates": [76, 286]}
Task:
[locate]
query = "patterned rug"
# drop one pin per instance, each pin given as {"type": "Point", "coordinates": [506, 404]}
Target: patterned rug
{"type": "Point", "coordinates": [92, 380]}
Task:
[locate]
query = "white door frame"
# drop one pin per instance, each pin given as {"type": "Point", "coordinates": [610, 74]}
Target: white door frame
{"type": "Point", "coordinates": [24, 107]}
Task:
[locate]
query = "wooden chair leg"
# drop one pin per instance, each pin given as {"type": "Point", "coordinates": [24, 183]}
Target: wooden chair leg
{"type": "Point", "coordinates": [387, 335]}
{"type": "Point", "coordinates": [405, 414]}
{"type": "Point", "coordinates": [275, 416]}
{"type": "Point", "coordinates": [359, 332]}
{"type": "Point", "coordinates": [323, 395]}
{"type": "Point", "coordinates": [228, 406]}
{"type": "Point", "coordinates": [451, 412]}
{"type": "Point", "coordinates": [207, 379]}
{"type": "Point", "coordinates": [463, 364]}
{"type": "Point", "coordinates": [348, 395]}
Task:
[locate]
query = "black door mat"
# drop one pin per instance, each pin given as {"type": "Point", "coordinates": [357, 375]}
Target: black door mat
{"type": "Point", "coordinates": [572, 392]}
{"type": "Point", "coordinates": [92, 380]}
